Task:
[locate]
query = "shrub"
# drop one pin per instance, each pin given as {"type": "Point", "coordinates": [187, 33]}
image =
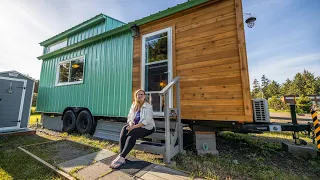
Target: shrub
{"type": "Point", "coordinates": [303, 104]}
{"type": "Point", "coordinates": [276, 104]}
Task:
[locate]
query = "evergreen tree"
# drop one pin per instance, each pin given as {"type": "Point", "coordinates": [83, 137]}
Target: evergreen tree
{"type": "Point", "coordinates": [264, 86]}
{"type": "Point", "coordinates": [256, 88]}
{"type": "Point", "coordinates": [273, 89]}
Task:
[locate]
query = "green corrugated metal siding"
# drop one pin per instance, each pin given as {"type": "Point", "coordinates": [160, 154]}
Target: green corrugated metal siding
{"type": "Point", "coordinates": [102, 27]}
{"type": "Point", "coordinates": [107, 86]}
{"type": "Point", "coordinates": [113, 23]}
{"type": "Point", "coordinates": [90, 32]}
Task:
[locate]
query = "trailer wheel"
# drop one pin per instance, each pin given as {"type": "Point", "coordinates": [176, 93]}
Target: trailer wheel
{"type": "Point", "coordinates": [84, 122]}
{"type": "Point", "coordinates": [69, 121]}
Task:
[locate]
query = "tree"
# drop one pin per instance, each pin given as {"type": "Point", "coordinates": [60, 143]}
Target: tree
{"type": "Point", "coordinates": [286, 87]}
{"type": "Point", "coordinates": [264, 86]}
{"type": "Point", "coordinates": [276, 104]}
{"type": "Point", "coordinates": [303, 104]}
{"type": "Point", "coordinates": [309, 83]}
{"type": "Point", "coordinates": [304, 83]}
{"type": "Point", "coordinates": [36, 86]}
{"type": "Point", "coordinates": [317, 85]}
{"type": "Point", "coordinates": [273, 89]}
{"type": "Point", "coordinates": [256, 88]}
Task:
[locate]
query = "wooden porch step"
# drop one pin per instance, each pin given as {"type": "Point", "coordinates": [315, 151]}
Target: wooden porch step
{"type": "Point", "coordinates": [151, 147]}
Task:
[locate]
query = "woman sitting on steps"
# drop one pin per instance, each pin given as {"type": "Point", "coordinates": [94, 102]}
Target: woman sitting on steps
{"type": "Point", "coordinates": [140, 124]}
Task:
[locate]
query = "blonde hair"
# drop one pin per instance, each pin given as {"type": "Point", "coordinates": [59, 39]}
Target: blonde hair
{"type": "Point", "coordinates": [137, 104]}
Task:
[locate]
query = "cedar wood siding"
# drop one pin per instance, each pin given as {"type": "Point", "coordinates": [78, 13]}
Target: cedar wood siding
{"type": "Point", "coordinates": [210, 57]}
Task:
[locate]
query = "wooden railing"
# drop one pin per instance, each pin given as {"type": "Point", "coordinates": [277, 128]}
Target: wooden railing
{"type": "Point", "coordinates": [170, 140]}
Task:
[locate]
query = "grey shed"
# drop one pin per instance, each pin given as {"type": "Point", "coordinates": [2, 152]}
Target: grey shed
{"type": "Point", "coordinates": [16, 91]}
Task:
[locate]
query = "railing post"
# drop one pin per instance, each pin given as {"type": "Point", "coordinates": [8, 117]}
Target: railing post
{"type": "Point", "coordinates": [180, 128]}
{"type": "Point", "coordinates": [167, 130]}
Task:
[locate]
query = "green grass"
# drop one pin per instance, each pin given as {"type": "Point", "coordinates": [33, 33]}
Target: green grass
{"type": "Point", "coordinates": [15, 164]}
{"type": "Point", "coordinates": [245, 156]}
{"type": "Point", "coordinates": [60, 151]}
{"type": "Point", "coordinates": [242, 156]}
{"type": "Point", "coordinates": [273, 110]}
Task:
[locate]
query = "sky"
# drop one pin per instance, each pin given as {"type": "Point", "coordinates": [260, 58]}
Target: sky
{"type": "Point", "coordinates": [285, 39]}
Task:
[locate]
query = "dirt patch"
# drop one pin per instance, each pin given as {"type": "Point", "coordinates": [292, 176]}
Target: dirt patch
{"type": "Point", "coordinates": [60, 151]}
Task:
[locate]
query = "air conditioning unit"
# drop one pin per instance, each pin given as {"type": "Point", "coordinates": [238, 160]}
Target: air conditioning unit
{"type": "Point", "coordinates": [261, 111]}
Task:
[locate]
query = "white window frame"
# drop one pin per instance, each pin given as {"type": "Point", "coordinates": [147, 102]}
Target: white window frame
{"type": "Point", "coordinates": [62, 41]}
{"type": "Point", "coordinates": [169, 60]}
{"type": "Point", "coordinates": [58, 71]}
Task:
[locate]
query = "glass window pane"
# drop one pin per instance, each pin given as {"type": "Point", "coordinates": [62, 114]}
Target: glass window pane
{"type": "Point", "coordinates": [64, 72]}
{"type": "Point", "coordinates": [157, 48]}
{"type": "Point", "coordinates": [57, 46]}
{"type": "Point", "coordinates": [155, 102]}
{"type": "Point", "coordinates": [156, 76]}
{"type": "Point", "coordinates": [77, 70]}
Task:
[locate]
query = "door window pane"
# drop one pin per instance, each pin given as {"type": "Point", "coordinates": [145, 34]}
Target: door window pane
{"type": "Point", "coordinates": [157, 47]}
{"type": "Point", "coordinates": [156, 76]}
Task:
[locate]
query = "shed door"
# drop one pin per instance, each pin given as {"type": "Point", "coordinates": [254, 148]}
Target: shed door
{"type": "Point", "coordinates": [156, 67]}
{"type": "Point", "coordinates": [11, 102]}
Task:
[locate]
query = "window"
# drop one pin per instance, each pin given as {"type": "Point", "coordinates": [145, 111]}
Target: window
{"type": "Point", "coordinates": [57, 46]}
{"type": "Point", "coordinates": [70, 71]}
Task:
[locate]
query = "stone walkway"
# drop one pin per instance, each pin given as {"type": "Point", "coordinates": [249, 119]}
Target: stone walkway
{"type": "Point", "coordinates": [93, 166]}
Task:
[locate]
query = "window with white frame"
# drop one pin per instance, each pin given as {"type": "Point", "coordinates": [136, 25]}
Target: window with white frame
{"type": "Point", "coordinates": [70, 71]}
{"type": "Point", "coordinates": [57, 46]}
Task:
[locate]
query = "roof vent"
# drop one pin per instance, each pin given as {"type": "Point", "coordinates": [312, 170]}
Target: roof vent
{"type": "Point", "coordinates": [260, 111]}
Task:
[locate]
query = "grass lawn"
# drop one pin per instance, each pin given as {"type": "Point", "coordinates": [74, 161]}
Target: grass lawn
{"type": "Point", "coordinates": [273, 110]}
{"type": "Point", "coordinates": [242, 156]}
{"type": "Point", "coordinates": [15, 164]}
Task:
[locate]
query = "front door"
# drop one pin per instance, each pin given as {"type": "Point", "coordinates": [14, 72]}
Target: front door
{"type": "Point", "coordinates": [156, 67]}
{"type": "Point", "coordinates": [11, 102]}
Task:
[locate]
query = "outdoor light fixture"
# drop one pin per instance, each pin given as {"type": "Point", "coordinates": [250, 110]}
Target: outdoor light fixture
{"type": "Point", "coordinates": [135, 30]}
{"type": "Point", "coordinates": [250, 21]}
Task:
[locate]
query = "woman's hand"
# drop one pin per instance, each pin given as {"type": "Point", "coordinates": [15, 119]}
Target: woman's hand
{"type": "Point", "coordinates": [130, 126]}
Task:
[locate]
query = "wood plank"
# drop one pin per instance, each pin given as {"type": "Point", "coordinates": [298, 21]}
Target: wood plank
{"type": "Point", "coordinates": [208, 18]}
{"type": "Point", "coordinates": [224, 112]}
{"type": "Point", "coordinates": [243, 60]}
{"type": "Point", "coordinates": [214, 56]}
{"type": "Point", "coordinates": [235, 66]}
{"type": "Point", "coordinates": [210, 44]}
{"type": "Point", "coordinates": [224, 74]}
{"type": "Point", "coordinates": [223, 7]}
{"type": "Point", "coordinates": [200, 108]}
{"type": "Point", "coordinates": [184, 15]}
{"type": "Point", "coordinates": [204, 89]}
{"type": "Point", "coordinates": [212, 102]}
{"type": "Point", "coordinates": [207, 27]}
{"type": "Point", "coordinates": [206, 39]}
{"type": "Point", "coordinates": [203, 34]}
{"type": "Point", "coordinates": [207, 63]}
{"type": "Point", "coordinates": [199, 116]}
{"type": "Point", "coordinates": [204, 96]}
{"type": "Point", "coordinates": [174, 63]}
{"type": "Point", "coordinates": [212, 82]}
{"type": "Point", "coordinates": [207, 51]}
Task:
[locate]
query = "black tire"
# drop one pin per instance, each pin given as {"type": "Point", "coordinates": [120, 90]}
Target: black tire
{"type": "Point", "coordinates": [69, 121]}
{"type": "Point", "coordinates": [84, 122]}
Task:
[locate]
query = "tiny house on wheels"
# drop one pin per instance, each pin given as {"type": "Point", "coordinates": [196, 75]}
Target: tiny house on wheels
{"type": "Point", "coordinates": [16, 92]}
{"type": "Point", "coordinates": [190, 59]}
